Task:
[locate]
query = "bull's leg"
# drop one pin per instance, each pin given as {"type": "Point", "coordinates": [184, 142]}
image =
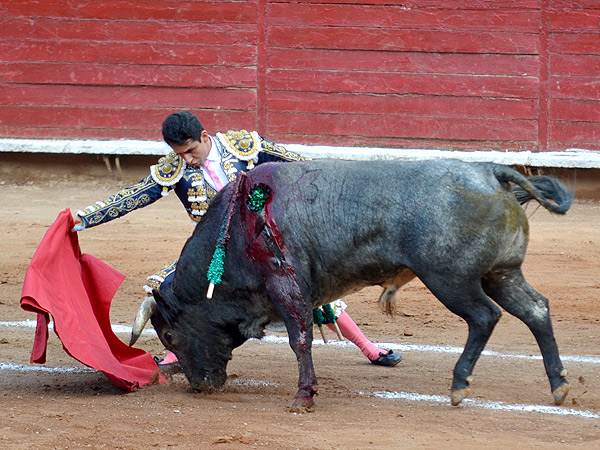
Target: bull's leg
{"type": "Point", "coordinates": [468, 301]}
{"type": "Point", "coordinates": [514, 294]}
{"type": "Point", "coordinates": [297, 316]}
{"type": "Point", "coordinates": [293, 307]}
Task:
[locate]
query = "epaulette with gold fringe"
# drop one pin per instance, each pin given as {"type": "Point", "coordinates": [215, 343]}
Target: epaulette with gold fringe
{"type": "Point", "coordinates": [244, 145]}
{"type": "Point", "coordinates": [154, 281]}
{"type": "Point", "coordinates": [168, 171]}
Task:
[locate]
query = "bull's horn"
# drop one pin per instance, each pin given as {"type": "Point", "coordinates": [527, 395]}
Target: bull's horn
{"type": "Point", "coordinates": [147, 309]}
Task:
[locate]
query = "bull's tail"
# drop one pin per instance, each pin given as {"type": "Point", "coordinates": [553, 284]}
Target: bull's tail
{"type": "Point", "coordinates": [547, 190]}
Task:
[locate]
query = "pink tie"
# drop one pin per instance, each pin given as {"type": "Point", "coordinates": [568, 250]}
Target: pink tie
{"type": "Point", "coordinates": [213, 174]}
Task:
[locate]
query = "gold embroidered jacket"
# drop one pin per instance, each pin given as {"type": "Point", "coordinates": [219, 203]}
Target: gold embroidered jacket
{"type": "Point", "coordinates": [240, 151]}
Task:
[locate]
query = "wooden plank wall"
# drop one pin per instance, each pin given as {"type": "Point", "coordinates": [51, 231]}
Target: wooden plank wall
{"type": "Point", "coordinates": [458, 74]}
{"type": "Point", "coordinates": [423, 74]}
{"type": "Point", "coordinates": [117, 68]}
{"type": "Point", "coordinates": [574, 74]}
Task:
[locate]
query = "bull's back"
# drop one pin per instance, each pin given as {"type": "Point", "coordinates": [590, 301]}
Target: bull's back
{"type": "Point", "coordinates": [349, 222]}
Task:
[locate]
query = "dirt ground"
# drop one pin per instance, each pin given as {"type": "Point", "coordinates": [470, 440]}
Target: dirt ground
{"type": "Point", "coordinates": [80, 408]}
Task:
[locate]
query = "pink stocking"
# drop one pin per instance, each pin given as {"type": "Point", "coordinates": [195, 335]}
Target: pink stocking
{"type": "Point", "coordinates": [351, 332]}
{"type": "Point", "coordinates": [169, 358]}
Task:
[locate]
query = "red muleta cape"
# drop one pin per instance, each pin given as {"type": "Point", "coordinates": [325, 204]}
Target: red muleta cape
{"type": "Point", "coordinates": [77, 289]}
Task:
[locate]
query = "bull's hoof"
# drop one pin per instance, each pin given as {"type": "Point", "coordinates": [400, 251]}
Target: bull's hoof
{"type": "Point", "coordinates": [304, 400]}
{"type": "Point", "coordinates": [300, 409]}
{"type": "Point", "coordinates": [560, 393]}
{"type": "Point", "coordinates": [459, 395]}
{"type": "Point", "coordinates": [302, 404]}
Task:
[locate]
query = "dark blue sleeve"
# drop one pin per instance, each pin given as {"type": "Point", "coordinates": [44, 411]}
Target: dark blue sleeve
{"type": "Point", "coordinates": [142, 194]}
{"type": "Point", "coordinates": [271, 151]}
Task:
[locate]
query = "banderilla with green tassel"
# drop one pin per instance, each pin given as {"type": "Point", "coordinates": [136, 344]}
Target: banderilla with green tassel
{"type": "Point", "coordinates": [216, 267]}
{"type": "Point", "coordinates": [325, 314]}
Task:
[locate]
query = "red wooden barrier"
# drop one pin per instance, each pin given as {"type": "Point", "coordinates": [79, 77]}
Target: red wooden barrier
{"type": "Point", "coordinates": [459, 74]}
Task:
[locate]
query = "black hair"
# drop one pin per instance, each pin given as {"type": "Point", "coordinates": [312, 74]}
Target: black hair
{"type": "Point", "coordinates": [179, 127]}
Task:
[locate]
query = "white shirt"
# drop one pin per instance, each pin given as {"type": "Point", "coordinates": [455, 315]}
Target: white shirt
{"type": "Point", "coordinates": [214, 159]}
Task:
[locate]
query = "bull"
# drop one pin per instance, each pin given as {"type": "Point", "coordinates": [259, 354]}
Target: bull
{"type": "Point", "coordinates": [329, 228]}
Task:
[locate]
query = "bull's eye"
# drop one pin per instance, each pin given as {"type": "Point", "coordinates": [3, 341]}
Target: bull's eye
{"type": "Point", "coordinates": [168, 337]}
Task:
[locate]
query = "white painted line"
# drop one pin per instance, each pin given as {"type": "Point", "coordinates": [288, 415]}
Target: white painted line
{"type": "Point", "coordinates": [22, 323]}
{"type": "Point", "coordinates": [253, 383]}
{"type": "Point", "coordinates": [405, 396]}
{"type": "Point", "coordinates": [440, 349]}
{"type": "Point", "coordinates": [125, 329]}
{"type": "Point", "coordinates": [483, 404]}
{"type": "Point", "coordinates": [29, 323]}
{"type": "Point", "coordinates": [28, 368]}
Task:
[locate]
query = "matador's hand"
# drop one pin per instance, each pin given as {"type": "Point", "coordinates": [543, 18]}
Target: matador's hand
{"type": "Point", "coordinates": [78, 225]}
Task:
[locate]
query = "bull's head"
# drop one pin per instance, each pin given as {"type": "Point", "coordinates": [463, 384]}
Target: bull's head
{"type": "Point", "coordinates": [202, 333]}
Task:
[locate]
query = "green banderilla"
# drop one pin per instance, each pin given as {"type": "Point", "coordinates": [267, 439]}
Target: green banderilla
{"type": "Point", "coordinates": [325, 314]}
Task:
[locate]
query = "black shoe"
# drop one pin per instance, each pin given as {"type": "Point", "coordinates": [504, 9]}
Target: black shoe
{"type": "Point", "coordinates": [168, 369]}
{"type": "Point", "coordinates": [389, 359]}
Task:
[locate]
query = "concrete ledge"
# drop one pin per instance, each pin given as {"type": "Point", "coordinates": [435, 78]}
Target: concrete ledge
{"type": "Point", "coordinates": [93, 147]}
{"type": "Point", "coordinates": [569, 159]}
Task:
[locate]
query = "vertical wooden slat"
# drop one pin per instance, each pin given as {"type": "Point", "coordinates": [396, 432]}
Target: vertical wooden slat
{"type": "Point", "coordinates": [543, 91]}
{"type": "Point", "coordinates": [261, 69]}
{"type": "Point", "coordinates": [574, 95]}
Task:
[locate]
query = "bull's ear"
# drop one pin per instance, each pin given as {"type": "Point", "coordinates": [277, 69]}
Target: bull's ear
{"type": "Point", "coordinates": [157, 296]}
{"type": "Point", "coordinates": [165, 297]}
{"type": "Point", "coordinates": [166, 304]}
{"type": "Point", "coordinates": [253, 328]}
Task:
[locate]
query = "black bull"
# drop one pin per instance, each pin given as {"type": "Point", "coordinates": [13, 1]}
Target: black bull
{"type": "Point", "coordinates": [333, 227]}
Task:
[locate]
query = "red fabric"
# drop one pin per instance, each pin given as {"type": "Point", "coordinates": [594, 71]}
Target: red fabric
{"type": "Point", "coordinates": [77, 289]}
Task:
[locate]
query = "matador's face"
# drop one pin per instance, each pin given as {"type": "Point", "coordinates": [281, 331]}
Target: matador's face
{"type": "Point", "coordinates": [194, 152]}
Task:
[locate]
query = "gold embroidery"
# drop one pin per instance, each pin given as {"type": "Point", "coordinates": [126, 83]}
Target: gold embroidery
{"type": "Point", "coordinates": [228, 167]}
{"type": "Point", "coordinates": [278, 150]}
{"type": "Point", "coordinates": [154, 281]}
{"type": "Point", "coordinates": [199, 196]}
{"type": "Point", "coordinates": [242, 144]}
{"type": "Point", "coordinates": [121, 203]}
{"type": "Point", "coordinates": [245, 144]}
{"type": "Point", "coordinates": [169, 169]}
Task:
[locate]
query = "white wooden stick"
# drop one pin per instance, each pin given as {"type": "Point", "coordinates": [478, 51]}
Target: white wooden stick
{"type": "Point", "coordinates": [338, 332]}
{"type": "Point", "coordinates": [322, 333]}
{"type": "Point", "coordinates": [209, 292]}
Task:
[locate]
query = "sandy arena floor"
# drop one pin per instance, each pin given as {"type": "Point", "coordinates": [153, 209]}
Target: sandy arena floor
{"type": "Point", "coordinates": [511, 405]}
